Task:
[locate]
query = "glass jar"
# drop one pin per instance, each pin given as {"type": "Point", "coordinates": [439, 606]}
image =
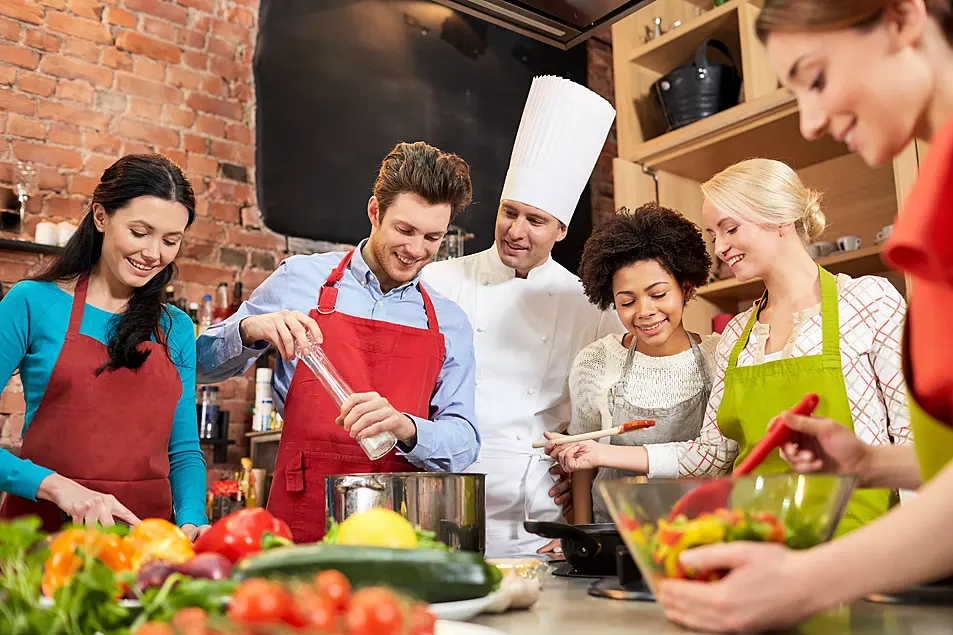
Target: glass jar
{"type": "Point", "coordinates": [209, 413]}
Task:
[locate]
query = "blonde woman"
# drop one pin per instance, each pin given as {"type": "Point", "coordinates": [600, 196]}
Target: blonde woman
{"type": "Point", "coordinates": [811, 331]}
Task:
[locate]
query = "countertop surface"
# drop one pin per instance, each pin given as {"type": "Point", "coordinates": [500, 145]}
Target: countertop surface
{"type": "Point", "coordinates": [565, 608]}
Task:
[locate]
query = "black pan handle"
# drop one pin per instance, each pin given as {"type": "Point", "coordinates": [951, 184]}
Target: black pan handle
{"type": "Point", "coordinates": [584, 545]}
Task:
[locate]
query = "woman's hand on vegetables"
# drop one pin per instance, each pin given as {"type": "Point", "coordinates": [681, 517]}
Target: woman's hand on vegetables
{"type": "Point", "coordinates": [83, 505]}
{"type": "Point", "coordinates": [579, 455]}
{"type": "Point", "coordinates": [824, 445]}
{"type": "Point", "coordinates": [194, 532]}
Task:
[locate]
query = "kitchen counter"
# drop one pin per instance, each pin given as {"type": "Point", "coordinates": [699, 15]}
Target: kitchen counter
{"type": "Point", "coordinates": [565, 608]}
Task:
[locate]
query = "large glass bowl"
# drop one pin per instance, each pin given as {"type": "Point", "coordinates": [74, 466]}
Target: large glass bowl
{"type": "Point", "coordinates": [798, 510]}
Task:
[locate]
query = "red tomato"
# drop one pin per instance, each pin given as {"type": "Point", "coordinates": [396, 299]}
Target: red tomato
{"type": "Point", "coordinates": [375, 611]}
{"type": "Point", "coordinates": [314, 610]}
{"type": "Point", "coordinates": [335, 586]}
{"type": "Point", "coordinates": [422, 621]}
{"type": "Point", "coordinates": [187, 617]}
{"type": "Point", "coordinates": [260, 602]}
{"type": "Point", "coordinates": [155, 628]}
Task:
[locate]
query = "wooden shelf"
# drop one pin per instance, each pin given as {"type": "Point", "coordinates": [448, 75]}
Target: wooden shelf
{"type": "Point", "coordinates": [264, 435]}
{"type": "Point", "coordinates": [25, 245]}
{"type": "Point", "coordinates": [678, 45]}
{"type": "Point", "coordinates": [765, 127]}
{"type": "Point", "coordinates": [865, 261]}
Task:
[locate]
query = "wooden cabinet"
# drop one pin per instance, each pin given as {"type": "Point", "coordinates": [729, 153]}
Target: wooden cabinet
{"type": "Point", "coordinates": [654, 164]}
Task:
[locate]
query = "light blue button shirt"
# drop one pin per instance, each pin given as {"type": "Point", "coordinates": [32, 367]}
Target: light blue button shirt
{"type": "Point", "coordinates": [449, 441]}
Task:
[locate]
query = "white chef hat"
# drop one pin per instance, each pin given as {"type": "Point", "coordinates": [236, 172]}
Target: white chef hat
{"type": "Point", "coordinates": [563, 129]}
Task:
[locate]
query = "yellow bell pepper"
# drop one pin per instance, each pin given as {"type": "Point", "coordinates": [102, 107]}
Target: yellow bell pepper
{"type": "Point", "coordinates": [157, 539]}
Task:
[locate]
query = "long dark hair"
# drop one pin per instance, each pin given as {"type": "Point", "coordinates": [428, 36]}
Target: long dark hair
{"type": "Point", "coordinates": [130, 177]}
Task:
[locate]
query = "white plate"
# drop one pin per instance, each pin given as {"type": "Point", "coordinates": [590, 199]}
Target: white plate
{"type": "Point", "coordinates": [463, 610]}
{"type": "Point", "coordinates": [463, 628]}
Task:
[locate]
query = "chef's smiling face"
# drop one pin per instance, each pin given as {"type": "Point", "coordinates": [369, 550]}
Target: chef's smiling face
{"type": "Point", "coordinates": [748, 248]}
{"type": "Point", "coordinates": [406, 236]}
{"type": "Point", "coordinates": [140, 239]}
{"type": "Point", "coordinates": [649, 302]}
{"type": "Point", "coordinates": [868, 88]}
{"type": "Point", "coordinates": [525, 236]}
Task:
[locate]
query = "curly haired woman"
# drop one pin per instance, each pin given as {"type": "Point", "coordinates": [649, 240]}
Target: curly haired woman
{"type": "Point", "coordinates": [647, 265]}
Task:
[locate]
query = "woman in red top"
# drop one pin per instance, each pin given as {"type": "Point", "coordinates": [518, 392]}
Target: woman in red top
{"type": "Point", "coordinates": [875, 74]}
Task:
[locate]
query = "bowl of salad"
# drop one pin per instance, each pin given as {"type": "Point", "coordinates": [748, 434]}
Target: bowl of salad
{"type": "Point", "coordinates": [796, 510]}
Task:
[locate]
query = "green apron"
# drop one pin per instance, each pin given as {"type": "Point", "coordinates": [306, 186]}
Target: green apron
{"type": "Point", "coordinates": [932, 439]}
{"type": "Point", "coordinates": [754, 395]}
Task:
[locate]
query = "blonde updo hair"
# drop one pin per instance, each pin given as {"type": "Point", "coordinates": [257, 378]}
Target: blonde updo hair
{"type": "Point", "coordinates": [767, 192]}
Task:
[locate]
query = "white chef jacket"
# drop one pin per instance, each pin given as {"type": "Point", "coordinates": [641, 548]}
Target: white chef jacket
{"type": "Point", "coordinates": [527, 332]}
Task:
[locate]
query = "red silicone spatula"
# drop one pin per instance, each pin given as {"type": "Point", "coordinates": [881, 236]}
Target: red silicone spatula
{"type": "Point", "coordinates": [712, 496]}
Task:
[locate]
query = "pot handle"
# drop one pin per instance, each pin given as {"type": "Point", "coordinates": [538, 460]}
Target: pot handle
{"type": "Point", "coordinates": [584, 545]}
{"type": "Point", "coordinates": [701, 54]}
{"type": "Point", "coordinates": [353, 482]}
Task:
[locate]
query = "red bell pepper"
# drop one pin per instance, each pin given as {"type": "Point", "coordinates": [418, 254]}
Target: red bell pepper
{"type": "Point", "coordinates": [240, 533]}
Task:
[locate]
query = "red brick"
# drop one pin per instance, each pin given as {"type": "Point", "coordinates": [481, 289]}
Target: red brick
{"type": "Point", "coordinates": [65, 136]}
{"type": "Point", "coordinates": [78, 27]}
{"type": "Point", "coordinates": [214, 106]}
{"type": "Point", "coordinates": [42, 40]}
{"type": "Point", "coordinates": [136, 43]}
{"type": "Point", "coordinates": [195, 143]}
{"type": "Point", "coordinates": [20, 126]}
{"type": "Point", "coordinates": [165, 10]}
{"type": "Point", "coordinates": [242, 16]}
{"type": "Point", "coordinates": [9, 30]}
{"type": "Point", "coordinates": [202, 24]}
{"type": "Point", "coordinates": [230, 191]}
{"type": "Point", "coordinates": [105, 143]}
{"type": "Point", "coordinates": [202, 165]}
{"type": "Point", "coordinates": [228, 69]}
{"type": "Point", "coordinates": [75, 91]}
{"type": "Point", "coordinates": [231, 32]}
{"type": "Point", "coordinates": [65, 206]}
{"type": "Point", "coordinates": [190, 38]}
{"type": "Point", "coordinates": [50, 179]}
{"type": "Point", "coordinates": [208, 6]}
{"type": "Point", "coordinates": [180, 117]}
{"type": "Point", "coordinates": [24, 10]}
{"type": "Point", "coordinates": [201, 204]}
{"type": "Point", "coordinates": [74, 115]}
{"type": "Point", "coordinates": [149, 69]}
{"type": "Point", "coordinates": [215, 86]}
{"type": "Point", "coordinates": [12, 402]}
{"type": "Point", "coordinates": [47, 155]}
{"type": "Point", "coordinates": [150, 90]}
{"type": "Point", "coordinates": [120, 17]}
{"type": "Point", "coordinates": [240, 133]}
{"type": "Point", "coordinates": [184, 78]}
{"type": "Point", "coordinates": [206, 231]}
{"type": "Point", "coordinates": [149, 133]}
{"type": "Point", "coordinates": [198, 186]}
{"type": "Point", "coordinates": [203, 274]}
{"type": "Point", "coordinates": [81, 184]}
{"type": "Point", "coordinates": [13, 271]}
{"type": "Point", "coordinates": [251, 4]}
{"type": "Point", "coordinates": [253, 238]}
{"type": "Point", "coordinates": [83, 49]}
{"type": "Point", "coordinates": [114, 58]}
{"type": "Point", "coordinates": [133, 147]}
{"type": "Point", "coordinates": [198, 61]}
{"type": "Point", "coordinates": [96, 164]}
{"type": "Point", "coordinates": [162, 30]}
{"type": "Point", "coordinates": [223, 48]}
{"type": "Point", "coordinates": [76, 69]}
{"type": "Point", "coordinates": [8, 75]}
{"type": "Point", "coordinates": [176, 156]}
{"type": "Point", "coordinates": [197, 251]}
{"type": "Point", "coordinates": [59, 5]}
{"type": "Point", "coordinates": [19, 56]}
{"type": "Point", "coordinates": [233, 153]}
{"type": "Point", "coordinates": [226, 212]}
{"type": "Point", "coordinates": [87, 8]}
{"type": "Point", "coordinates": [243, 93]}
{"type": "Point", "coordinates": [146, 110]}
{"type": "Point", "coordinates": [36, 84]}
{"type": "Point", "coordinates": [210, 126]}
{"type": "Point", "coordinates": [252, 278]}
{"type": "Point", "coordinates": [13, 102]}
{"type": "Point", "coordinates": [111, 101]}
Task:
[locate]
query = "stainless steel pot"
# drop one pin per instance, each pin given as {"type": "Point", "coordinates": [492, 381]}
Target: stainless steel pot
{"type": "Point", "coordinates": [451, 505]}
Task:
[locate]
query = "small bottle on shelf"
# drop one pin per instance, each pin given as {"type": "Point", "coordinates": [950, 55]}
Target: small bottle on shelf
{"type": "Point", "coordinates": [194, 314]}
{"type": "Point", "coordinates": [246, 484]}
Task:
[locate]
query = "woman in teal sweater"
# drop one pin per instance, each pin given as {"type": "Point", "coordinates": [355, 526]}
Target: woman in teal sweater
{"type": "Point", "coordinates": [108, 369]}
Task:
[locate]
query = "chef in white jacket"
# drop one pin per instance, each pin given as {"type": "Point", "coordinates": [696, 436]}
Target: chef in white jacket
{"type": "Point", "coordinates": [529, 314]}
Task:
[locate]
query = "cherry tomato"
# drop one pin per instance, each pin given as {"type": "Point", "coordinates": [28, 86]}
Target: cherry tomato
{"type": "Point", "coordinates": [335, 586]}
{"type": "Point", "coordinates": [260, 602]}
{"type": "Point", "coordinates": [190, 617]}
{"type": "Point", "coordinates": [375, 611]}
{"type": "Point", "coordinates": [155, 628]}
{"type": "Point", "coordinates": [422, 621]}
{"type": "Point", "coordinates": [314, 610]}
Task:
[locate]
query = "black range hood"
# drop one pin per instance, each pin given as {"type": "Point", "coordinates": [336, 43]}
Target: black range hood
{"type": "Point", "coordinates": [561, 23]}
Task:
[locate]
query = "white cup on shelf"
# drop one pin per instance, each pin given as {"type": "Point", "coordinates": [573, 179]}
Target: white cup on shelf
{"type": "Point", "coordinates": [849, 243]}
{"type": "Point", "coordinates": [47, 233]}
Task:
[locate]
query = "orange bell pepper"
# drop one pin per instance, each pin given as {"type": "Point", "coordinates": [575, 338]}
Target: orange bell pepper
{"type": "Point", "coordinates": [157, 539]}
{"type": "Point", "coordinates": [63, 561]}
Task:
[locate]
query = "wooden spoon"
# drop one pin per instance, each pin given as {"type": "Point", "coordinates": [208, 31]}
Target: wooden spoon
{"type": "Point", "coordinates": [712, 496]}
{"type": "Point", "coordinates": [628, 426]}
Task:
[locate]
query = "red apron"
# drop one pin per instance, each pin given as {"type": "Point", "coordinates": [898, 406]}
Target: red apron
{"type": "Point", "coordinates": [400, 363]}
{"type": "Point", "coordinates": [109, 432]}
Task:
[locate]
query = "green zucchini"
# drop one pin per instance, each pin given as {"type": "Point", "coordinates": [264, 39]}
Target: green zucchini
{"type": "Point", "coordinates": [427, 575]}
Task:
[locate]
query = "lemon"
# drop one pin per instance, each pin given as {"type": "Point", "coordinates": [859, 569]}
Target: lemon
{"type": "Point", "coordinates": [377, 527]}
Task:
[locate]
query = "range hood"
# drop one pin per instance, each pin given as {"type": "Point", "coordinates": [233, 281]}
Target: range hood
{"type": "Point", "coordinates": [561, 23]}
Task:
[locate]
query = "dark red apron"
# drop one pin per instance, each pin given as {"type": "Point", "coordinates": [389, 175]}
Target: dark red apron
{"type": "Point", "coordinates": [109, 432]}
{"type": "Point", "coordinates": [400, 363]}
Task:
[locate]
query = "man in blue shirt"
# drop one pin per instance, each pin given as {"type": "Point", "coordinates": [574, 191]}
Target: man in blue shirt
{"type": "Point", "coordinates": [406, 353]}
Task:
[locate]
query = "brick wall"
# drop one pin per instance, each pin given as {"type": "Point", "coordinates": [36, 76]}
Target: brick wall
{"type": "Point", "coordinates": [599, 51]}
{"type": "Point", "coordinates": [83, 82]}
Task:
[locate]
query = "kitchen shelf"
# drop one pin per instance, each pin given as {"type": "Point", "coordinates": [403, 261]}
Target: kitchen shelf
{"type": "Point", "coordinates": [8, 244]}
{"type": "Point", "coordinates": [861, 262]}
{"type": "Point", "coordinates": [219, 448]}
{"type": "Point", "coordinates": [264, 435]}
{"type": "Point", "coordinates": [765, 127]}
{"type": "Point", "coordinates": [678, 45]}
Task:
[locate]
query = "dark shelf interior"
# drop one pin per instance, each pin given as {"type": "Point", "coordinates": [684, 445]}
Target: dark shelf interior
{"type": "Point", "coordinates": [25, 245]}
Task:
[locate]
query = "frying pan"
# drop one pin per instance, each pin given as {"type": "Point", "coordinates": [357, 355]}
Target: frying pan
{"type": "Point", "coordinates": [589, 549]}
